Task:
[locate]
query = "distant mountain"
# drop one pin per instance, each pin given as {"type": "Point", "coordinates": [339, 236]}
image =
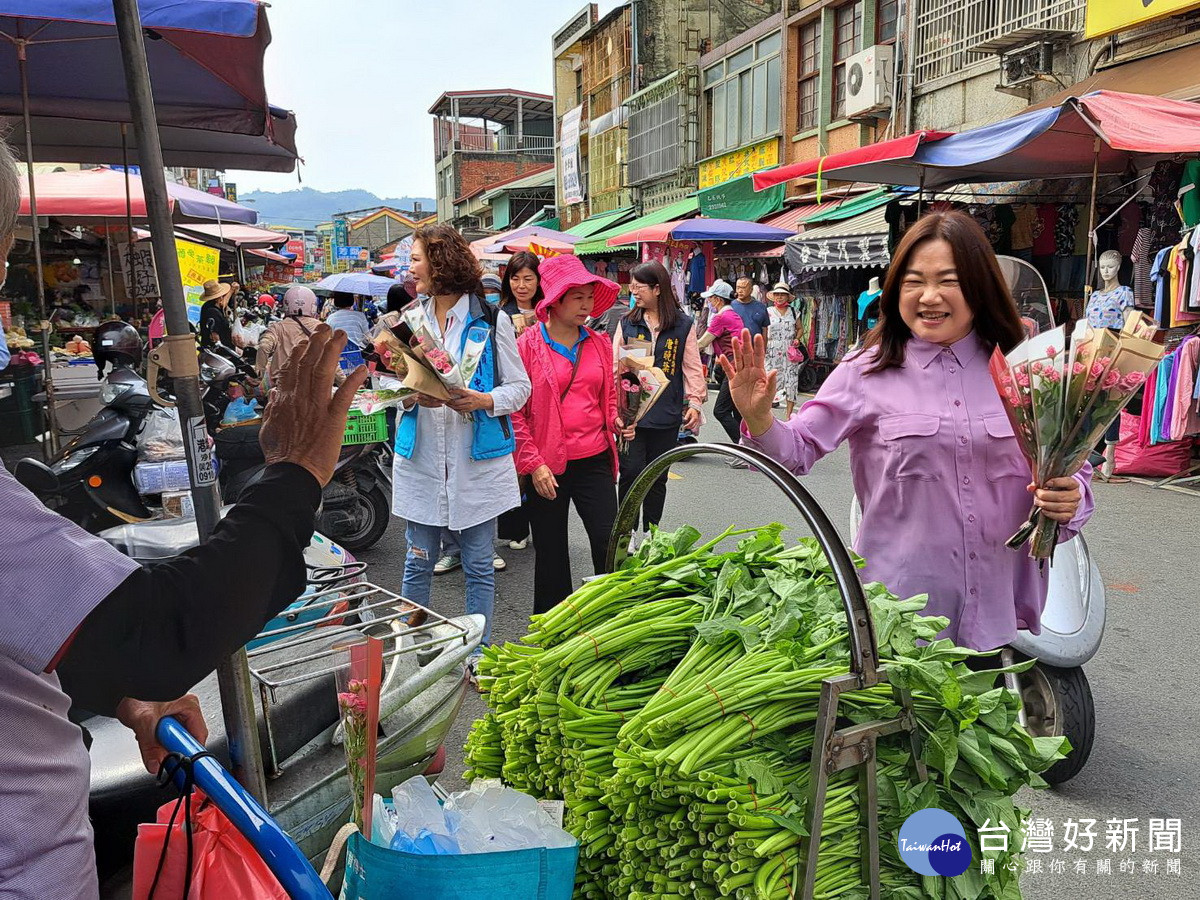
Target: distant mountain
{"type": "Point", "coordinates": [306, 207]}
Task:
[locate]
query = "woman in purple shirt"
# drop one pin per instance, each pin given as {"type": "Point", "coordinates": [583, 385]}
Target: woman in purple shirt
{"type": "Point", "coordinates": [936, 466]}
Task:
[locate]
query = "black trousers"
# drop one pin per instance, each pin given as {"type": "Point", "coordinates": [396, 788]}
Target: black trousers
{"type": "Point", "coordinates": [589, 484]}
{"type": "Point", "coordinates": [725, 410]}
{"type": "Point", "coordinates": [647, 446]}
{"type": "Point", "coordinates": [514, 524]}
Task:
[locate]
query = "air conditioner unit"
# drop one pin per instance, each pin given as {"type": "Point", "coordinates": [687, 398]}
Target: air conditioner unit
{"type": "Point", "coordinates": [1028, 64]}
{"type": "Point", "coordinates": [869, 77]}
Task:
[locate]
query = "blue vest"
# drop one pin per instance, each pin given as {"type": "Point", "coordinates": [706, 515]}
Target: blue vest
{"type": "Point", "coordinates": [493, 435]}
{"type": "Point", "coordinates": [668, 356]}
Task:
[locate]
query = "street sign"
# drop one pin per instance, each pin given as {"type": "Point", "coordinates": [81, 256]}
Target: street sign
{"type": "Point", "coordinates": [351, 252]}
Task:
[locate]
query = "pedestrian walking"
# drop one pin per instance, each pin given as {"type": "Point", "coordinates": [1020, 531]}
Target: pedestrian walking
{"type": "Point", "coordinates": [566, 432]}
{"type": "Point", "coordinates": [936, 466]}
{"type": "Point", "coordinates": [722, 326]}
{"type": "Point", "coordinates": [658, 320]}
{"type": "Point", "coordinates": [780, 333]}
{"type": "Point", "coordinates": [454, 460]}
{"type": "Point", "coordinates": [751, 310]}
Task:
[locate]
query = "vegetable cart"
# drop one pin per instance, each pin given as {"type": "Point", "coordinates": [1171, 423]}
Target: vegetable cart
{"type": "Point", "coordinates": [835, 749]}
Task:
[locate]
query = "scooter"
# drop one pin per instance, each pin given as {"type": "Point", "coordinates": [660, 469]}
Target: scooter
{"type": "Point", "coordinates": [292, 664]}
{"type": "Point", "coordinates": [90, 480]}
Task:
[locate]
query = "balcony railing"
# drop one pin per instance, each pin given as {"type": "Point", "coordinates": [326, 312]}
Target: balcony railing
{"type": "Point", "coordinates": [537, 145]}
{"type": "Point", "coordinates": [946, 30]}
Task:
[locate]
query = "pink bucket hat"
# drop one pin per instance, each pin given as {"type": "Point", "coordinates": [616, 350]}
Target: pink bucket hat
{"type": "Point", "coordinates": [559, 274]}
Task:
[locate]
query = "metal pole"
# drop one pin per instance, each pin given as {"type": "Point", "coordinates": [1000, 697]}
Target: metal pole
{"type": "Point", "coordinates": [233, 675]}
{"type": "Point", "coordinates": [39, 276]}
{"type": "Point", "coordinates": [1087, 276]}
{"type": "Point", "coordinates": [112, 285]}
{"type": "Point", "coordinates": [128, 209]}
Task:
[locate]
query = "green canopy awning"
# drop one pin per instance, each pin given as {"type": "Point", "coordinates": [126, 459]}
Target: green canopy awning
{"type": "Point", "coordinates": [737, 199]}
{"type": "Point", "coordinates": [851, 208]}
{"type": "Point", "coordinates": [598, 243]}
{"type": "Point", "coordinates": [601, 222]}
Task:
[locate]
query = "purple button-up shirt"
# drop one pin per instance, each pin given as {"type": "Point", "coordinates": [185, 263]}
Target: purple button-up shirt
{"type": "Point", "coordinates": [941, 480]}
{"type": "Point", "coordinates": [52, 574]}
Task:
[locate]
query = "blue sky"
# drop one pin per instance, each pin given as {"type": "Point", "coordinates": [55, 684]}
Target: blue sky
{"type": "Point", "coordinates": [362, 74]}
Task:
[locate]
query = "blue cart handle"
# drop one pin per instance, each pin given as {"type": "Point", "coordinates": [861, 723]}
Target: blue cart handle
{"type": "Point", "coordinates": [281, 854]}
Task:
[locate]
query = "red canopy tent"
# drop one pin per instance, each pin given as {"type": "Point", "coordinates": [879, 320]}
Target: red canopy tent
{"type": "Point", "coordinates": [846, 165]}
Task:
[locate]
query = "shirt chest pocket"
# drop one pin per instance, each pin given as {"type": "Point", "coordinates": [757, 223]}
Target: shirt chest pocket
{"type": "Point", "coordinates": [1004, 456]}
{"type": "Point", "coordinates": [911, 445]}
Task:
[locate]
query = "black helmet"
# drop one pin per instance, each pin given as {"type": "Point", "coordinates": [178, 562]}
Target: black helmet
{"type": "Point", "coordinates": [117, 343]}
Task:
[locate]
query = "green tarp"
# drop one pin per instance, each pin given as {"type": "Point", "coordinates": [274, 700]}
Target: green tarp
{"type": "Point", "coordinates": [851, 208]}
{"type": "Point", "coordinates": [598, 243]}
{"type": "Point", "coordinates": [737, 199]}
{"type": "Point", "coordinates": [600, 222]}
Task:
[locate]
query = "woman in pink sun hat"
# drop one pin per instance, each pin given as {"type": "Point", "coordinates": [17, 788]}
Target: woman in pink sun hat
{"type": "Point", "coordinates": [566, 432]}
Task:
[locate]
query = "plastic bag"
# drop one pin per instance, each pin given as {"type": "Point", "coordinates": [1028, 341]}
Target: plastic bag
{"type": "Point", "coordinates": [224, 864]}
{"type": "Point", "coordinates": [161, 437]}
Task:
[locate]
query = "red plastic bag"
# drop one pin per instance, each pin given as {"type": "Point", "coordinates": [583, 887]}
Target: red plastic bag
{"type": "Point", "coordinates": [224, 865]}
{"type": "Point", "coordinates": [1152, 461]}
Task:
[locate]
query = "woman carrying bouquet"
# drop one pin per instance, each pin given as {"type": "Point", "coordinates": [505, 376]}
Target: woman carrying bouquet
{"type": "Point", "coordinates": [935, 463]}
{"type": "Point", "coordinates": [454, 460]}
{"type": "Point", "coordinates": [657, 320]}
{"type": "Point", "coordinates": [566, 431]}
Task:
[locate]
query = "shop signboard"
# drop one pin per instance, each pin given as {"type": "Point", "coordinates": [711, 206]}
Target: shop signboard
{"type": "Point", "coordinates": [137, 270]}
{"type": "Point", "coordinates": [197, 264]}
{"type": "Point", "coordinates": [350, 252]}
{"type": "Point", "coordinates": [1105, 17]}
{"type": "Point", "coordinates": [572, 178]}
{"type": "Point", "coordinates": [215, 188]}
{"type": "Point", "coordinates": [743, 161]}
{"type": "Point", "coordinates": [737, 199]}
{"type": "Point", "coordinates": [231, 191]}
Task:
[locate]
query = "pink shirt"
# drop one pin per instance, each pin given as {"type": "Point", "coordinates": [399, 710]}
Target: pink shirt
{"type": "Point", "coordinates": [724, 325]}
{"type": "Point", "coordinates": [941, 481]}
{"type": "Point", "coordinates": [585, 433]}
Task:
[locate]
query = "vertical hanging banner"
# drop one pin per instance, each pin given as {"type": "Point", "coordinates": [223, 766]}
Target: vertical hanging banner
{"type": "Point", "coordinates": [197, 264]}
{"type": "Point", "coordinates": [572, 177]}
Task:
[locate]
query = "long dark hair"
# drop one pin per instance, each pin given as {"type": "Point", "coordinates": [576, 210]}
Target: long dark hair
{"type": "Point", "coordinates": [654, 273]}
{"type": "Point", "coordinates": [520, 261]}
{"type": "Point", "coordinates": [997, 321]}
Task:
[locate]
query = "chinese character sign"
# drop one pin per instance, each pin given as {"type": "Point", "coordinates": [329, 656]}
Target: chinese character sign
{"type": "Point", "coordinates": [572, 181]}
{"type": "Point", "coordinates": [197, 264]}
{"type": "Point", "coordinates": [740, 162]}
{"type": "Point", "coordinates": [137, 270]}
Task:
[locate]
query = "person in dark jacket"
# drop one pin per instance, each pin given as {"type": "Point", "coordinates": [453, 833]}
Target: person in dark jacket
{"type": "Point", "coordinates": [214, 317]}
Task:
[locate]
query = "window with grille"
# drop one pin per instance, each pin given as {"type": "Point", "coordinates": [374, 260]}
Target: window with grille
{"type": "Point", "coordinates": [654, 138]}
{"type": "Point", "coordinates": [886, 16]}
{"type": "Point", "coordinates": [742, 96]}
{"type": "Point", "coordinates": [847, 40]}
{"type": "Point", "coordinates": [809, 75]}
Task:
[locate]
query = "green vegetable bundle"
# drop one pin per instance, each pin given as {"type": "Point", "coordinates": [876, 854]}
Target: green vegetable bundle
{"type": "Point", "coordinates": [672, 705]}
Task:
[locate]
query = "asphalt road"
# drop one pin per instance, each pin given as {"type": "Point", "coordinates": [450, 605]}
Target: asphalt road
{"type": "Point", "coordinates": [1144, 679]}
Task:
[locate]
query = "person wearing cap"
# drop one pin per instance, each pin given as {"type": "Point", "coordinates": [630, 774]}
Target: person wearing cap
{"type": "Point", "coordinates": [298, 323]}
{"type": "Point", "coordinates": [724, 324]}
{"type": "Point", "coordinates": [658, 320]}
{"type": "Point", "coordinates": [781, 331]}
{"type": "Point", "coordinates": [491, 288]}
{"type": "Point", "coordinates": [214, 320]}
{"type": "Point", "coordinates": [566, 432]}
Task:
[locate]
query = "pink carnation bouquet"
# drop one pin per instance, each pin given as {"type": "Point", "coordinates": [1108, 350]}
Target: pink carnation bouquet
{"type": "Point", "coordinates": [1062, 389]}
{"type": "Point", "coordinates": [358, 683]}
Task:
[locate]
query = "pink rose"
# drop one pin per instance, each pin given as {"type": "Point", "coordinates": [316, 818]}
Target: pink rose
{"type": "Point", "coordinates": [1052, 375]}
{"type": "Point", "coordinates": [1035, 369]}
{"type": "Point", "coordinates": [1022, 378]}
{"type": "Point", "coordinates": [1098, 369]}
{"type": "Point", "coordinates": [1078, 368]}
{"type": "Point", "coordinates": [1111, 380]}
{"type": "Point", "coordinates": [1133, 381]}
{"type": "Point", "coordinates": [1051, 352]}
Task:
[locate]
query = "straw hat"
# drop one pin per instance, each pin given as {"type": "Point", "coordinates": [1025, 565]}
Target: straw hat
{"type": "Point", "coordinates": [559, 274]}
{"type": "Point", "coordinates": [781, 288]}
{"type": "Point", "coordinates": [214, 290]}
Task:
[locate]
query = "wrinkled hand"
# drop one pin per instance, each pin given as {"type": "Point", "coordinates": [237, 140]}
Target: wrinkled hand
{"type": "Point", "coordinates": [429, 401]}
{"type": "Point", "coordinates": [465, 400]}
{"type": "Point", "coordinates": [544, 482]}
{"type": "Point", "coordinates": [304, 424]}
{"type": "Point", "coordinates": [629, 432]}
{"type": "Point", "coordinates": [691, 420]}
{"type": "Point", "coordinates": [142, 718]}
{"type": "Point", "coordinates": [1059, 499]}
{"type": "Point", "coordinates": [751, 387]}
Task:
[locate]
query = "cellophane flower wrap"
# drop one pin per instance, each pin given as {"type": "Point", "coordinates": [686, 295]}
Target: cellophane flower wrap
{"type": "Point", "coordinates": [639, 385]}
{"type": "Point", "coordinates": [358, 681]}
{"type": "Point", "coordinates": [1062, 393]}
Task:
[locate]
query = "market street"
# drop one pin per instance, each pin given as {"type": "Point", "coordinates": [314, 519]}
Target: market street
{"type": "Point", "coordinates": [1143, 680]}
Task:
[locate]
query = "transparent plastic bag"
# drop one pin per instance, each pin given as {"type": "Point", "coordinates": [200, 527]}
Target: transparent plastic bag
{"type": "Point", "coordinates": [161, 437]}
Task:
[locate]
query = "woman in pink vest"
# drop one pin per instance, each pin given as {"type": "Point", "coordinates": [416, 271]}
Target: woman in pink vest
{"type": "Point", "coordinates": [566, 432]}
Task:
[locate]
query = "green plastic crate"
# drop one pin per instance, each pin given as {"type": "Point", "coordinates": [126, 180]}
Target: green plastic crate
{"type": "Point", "coordinates": [362, 429]}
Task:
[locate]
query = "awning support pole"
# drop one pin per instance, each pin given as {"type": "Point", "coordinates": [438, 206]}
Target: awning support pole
{"type": "Point", "coordinates": [1087, 277]}
{"type": "Point", "coordinates": [108, 260]}
{"type": "Point", "coordinates": [39, 275]}
{"type": "Point", "coordinates": [233, 675]}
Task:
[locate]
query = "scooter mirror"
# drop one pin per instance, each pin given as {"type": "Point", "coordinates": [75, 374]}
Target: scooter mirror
{"type": "Point", "coordinates": [36, 476]}
{"type": "Point", "coordinates": [1028, 292]}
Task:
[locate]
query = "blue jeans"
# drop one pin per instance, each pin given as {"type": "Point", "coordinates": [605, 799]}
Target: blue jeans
{"type": "Point", "coordinates": [475, 545]}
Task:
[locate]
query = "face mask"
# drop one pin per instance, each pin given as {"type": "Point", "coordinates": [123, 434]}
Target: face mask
{"type": "Point", "coordinates": [493, 299]}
